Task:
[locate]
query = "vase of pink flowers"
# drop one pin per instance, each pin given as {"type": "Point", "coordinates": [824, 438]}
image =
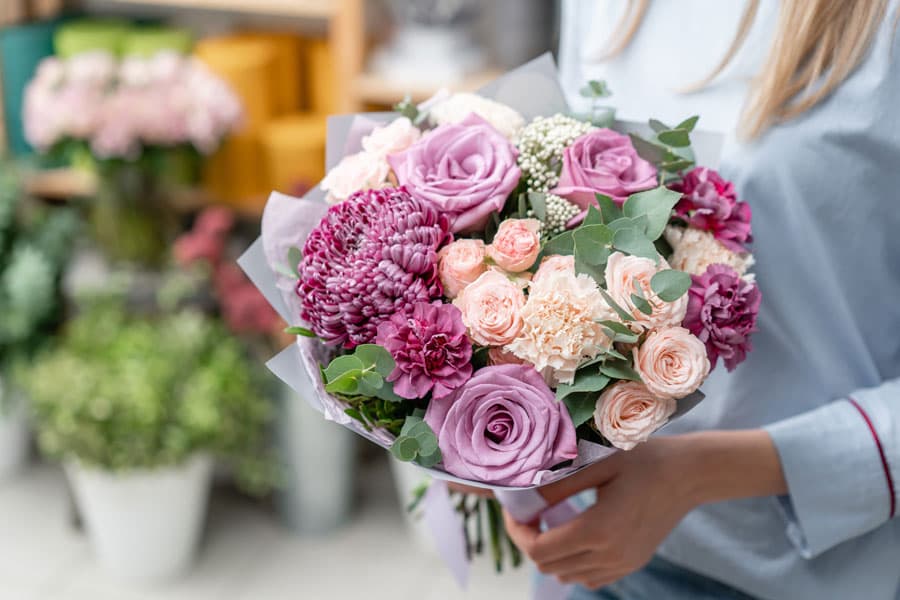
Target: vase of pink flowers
{"type": "Point", "coordinates": [142, 125]}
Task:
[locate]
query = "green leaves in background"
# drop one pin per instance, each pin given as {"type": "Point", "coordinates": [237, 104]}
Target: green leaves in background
{"type": "Point", "coordinates": [362, 373]}
{"type": "Point", "coordinates": [417, 442]}
{"type": "Point", "coordinates": [595, 88]}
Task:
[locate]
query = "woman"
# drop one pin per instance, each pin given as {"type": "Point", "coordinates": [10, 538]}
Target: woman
{"type": "Point", "coordinates": [784, 483]}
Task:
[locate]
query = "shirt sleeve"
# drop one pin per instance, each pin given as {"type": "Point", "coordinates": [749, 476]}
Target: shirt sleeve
{"type": "Point", "coordinates": [842, 466]}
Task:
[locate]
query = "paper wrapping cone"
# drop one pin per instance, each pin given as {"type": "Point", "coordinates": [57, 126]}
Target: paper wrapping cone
{"type": "Point", "coordinates": [288, 48]}
{"type": "Point", "coordinates": [294, 151]}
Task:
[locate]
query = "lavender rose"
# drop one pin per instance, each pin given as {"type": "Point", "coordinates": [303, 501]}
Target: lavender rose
{"type": "Point", "coordinates": [722, 310]}
{"type": "Point", "coordinates": [503, 426]}
{"type": "Point", "coordinates": [603, 161]}
{"type": "Point", "coordinates": [467, 170]}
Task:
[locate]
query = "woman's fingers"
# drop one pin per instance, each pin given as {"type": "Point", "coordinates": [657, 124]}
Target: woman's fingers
{"type": "Point", "coordinates": [522, 534]}
{"type": "Point", "coordinates": [587, 478]}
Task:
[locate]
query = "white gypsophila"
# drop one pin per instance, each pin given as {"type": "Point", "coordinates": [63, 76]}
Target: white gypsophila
{"type": "Point", "coordinates": [559, 212]}
{"type": "Point", "coordinates": [459, 106]}
{"type": "Point", "coordinates": [695, 250]}
{"type": "Point", "coordinates": [541, 145]}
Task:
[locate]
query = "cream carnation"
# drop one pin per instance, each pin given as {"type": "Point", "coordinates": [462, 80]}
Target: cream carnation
{"type": "Point", "coordinates": [560, 328]}
{"type": "Point", "coordinates": [397, 136]}
{"type": "Point", "coordinates": [672, 362]}
{"type": "Point", "coordinates": [491, 309]}
{"type": "Point", "coordinates": [356, 172]}
{"type": "Point", "coordinates": [459, 264]}
{"type": "Point", "coordinates": [695, 250]}
{"type": "Point", "coordinates": [459, 106]}
{"type": "Point", "coordinates": [627, 413]}
{"type": "Point", "coordinates": [623, 273]}
{"type": "Point", "coordinates": [516, 245]}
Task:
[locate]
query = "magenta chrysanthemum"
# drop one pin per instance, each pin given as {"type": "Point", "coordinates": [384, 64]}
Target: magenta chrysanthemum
{"type": "Point", "coordinates": [431, 349]}
{"type": "Point", "coordinates": [370, 257]}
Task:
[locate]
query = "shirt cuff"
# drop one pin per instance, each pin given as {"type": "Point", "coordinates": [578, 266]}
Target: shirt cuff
{"type": "Point", "coordinates": [835, 475]}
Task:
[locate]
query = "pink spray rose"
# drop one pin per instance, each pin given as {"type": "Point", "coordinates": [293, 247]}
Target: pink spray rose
{"type": "Point", "coordinates": [516, 245]}
{"type": "Point", "coordinates": [623, 273]}
{"type": "Point", "coordinates": [627, 414]}
{"type": "Point", "coordinates": [396, 136]}
{"type": "Point", "coordinates": [603, 161]}
{"type": "Point", "coordinates": [467, 170]}
{"type": "Point", "coordinates": [672, 362]}
{"type": "Point", "coordinates": [491, 308]}
{"type": "Point", "coordinates": [722, 311]}
{"type": "Point", "coordinates": [709, 202]}
{"type": "Point", "coordinates": [503, 426]}
{"type": "Point", "coordinates": [459, 264]}
{"type": "Point", "coordinates": [430, 348]}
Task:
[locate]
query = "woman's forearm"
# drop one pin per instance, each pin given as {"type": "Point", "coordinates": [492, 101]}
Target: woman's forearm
{"type": "Point", "coordinates": [726, 465]}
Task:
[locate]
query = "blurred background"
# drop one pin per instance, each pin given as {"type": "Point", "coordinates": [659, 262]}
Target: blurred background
{"type": "Point", "coordinates": [145, 451]}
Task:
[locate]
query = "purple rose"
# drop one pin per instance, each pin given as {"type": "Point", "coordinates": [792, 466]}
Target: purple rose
{"type": "Point", "coordinates": [467, 170]}
{"type": "Point", "coordinates": [722, 310]}
{"type": "Point", "coordinates": [431, 349]}
{"type": "Point", "coordinates": [709, 202]}
{"type": "Point", "coordinates": [503, 426]}
{"type": "Point", "coordinates": [603, 161]}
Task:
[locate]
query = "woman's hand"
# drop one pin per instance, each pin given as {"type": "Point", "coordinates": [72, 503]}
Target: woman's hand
{"type": "Point", "coordinates": [641, 496]}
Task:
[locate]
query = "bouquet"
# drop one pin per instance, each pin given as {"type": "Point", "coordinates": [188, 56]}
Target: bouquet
{"type": "Point", "coordinates": [120, 107]}
{"type": "Point", "coordinates": [504, 296]}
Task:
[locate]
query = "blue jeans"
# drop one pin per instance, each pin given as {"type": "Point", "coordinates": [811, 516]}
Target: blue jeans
{"type": "Point", "coordinates": [662, 580]}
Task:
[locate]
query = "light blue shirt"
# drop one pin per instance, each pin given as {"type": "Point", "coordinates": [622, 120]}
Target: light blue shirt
{"type": "Point", "coordinates": [825, 193]}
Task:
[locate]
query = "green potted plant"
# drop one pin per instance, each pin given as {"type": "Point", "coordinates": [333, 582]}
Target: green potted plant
{"type": "Point", "coordinates": [34, 245]}
{"type": "Point", "coordinates": [136, 408]}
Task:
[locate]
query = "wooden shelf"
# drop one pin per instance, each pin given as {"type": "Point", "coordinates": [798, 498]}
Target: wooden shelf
{"type": "Point", "coordinates": [375, 89]}
{"type": "Point", "coordinates": [311, 9]}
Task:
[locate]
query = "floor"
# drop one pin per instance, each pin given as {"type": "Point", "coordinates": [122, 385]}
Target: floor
{"type": "Point", "coordinates": [246, 554]}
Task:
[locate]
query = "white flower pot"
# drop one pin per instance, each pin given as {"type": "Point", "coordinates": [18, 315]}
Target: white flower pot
{"type": "Point", "coordinates": [13, 435]}
{"type": "Point", "coordinates": [407, 477]}
{"type": "Point", "coordinates": [144, 525]}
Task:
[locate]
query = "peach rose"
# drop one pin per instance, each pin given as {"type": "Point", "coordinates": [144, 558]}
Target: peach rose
{"type": "Point", "coordinates": [459, 264]}
{"type": "Point", "coordinates": [361, 171]}
{"type": "Point", "coordinates": [556, 263]}
{"type": "Point", "coordinates": [672, 362]}
{"type": "Point", "coordinates": [627, 414]}
{"type": "Point", "coordinates": [516, 245]}
{"type": "Point", "coordinates": [623, 272]}
{"type": "Point", "coordinates": [491, 308]}
{"type": "Point", "coordinates": [520, 279]}
{"type": "Point", "coordinates": [397, 136]}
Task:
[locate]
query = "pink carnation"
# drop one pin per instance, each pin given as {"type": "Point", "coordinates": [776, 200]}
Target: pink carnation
{"type": "Point", "coordinates": [722, 311]}
{"type": "Point", "coordinates": [431, 350]}
{"type": "Point", "coordinates": [709, 202]}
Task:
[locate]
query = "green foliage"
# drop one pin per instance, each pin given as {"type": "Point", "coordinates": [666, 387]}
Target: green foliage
{"type": "Point", "coordinates": [417, 442]}
{"type": "Point", "coordinates": [656, 206]}
{"type": "Point", "coordinates": [35, 242]}
{"type": "Point", "coordinates": [407, 108]}
{"type": "Point", "coordinates": [670, 149]}
{"type": "Point", "coordinates": [362, 373]}
{"type": "Point", "coordinates": [595, 90]}
{"type": "Point", "coordinates": [121, 392]}
{"type": "Point", "coordinates": [301, 331]}
{"type": "Point", "coordinates": [670, 285]}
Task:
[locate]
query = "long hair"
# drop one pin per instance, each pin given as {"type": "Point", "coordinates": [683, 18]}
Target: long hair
{"type": "Point", "coordinates": [817, 44]}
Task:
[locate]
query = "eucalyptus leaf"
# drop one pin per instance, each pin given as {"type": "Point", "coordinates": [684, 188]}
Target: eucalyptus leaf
{"type": "Point", "coordinates": [595, 272]}
{"type": "Point", "coordinates": [538, 202]}
{"type": "Point", "coordinates": [410, 422]}
{"type": "Point", "coordinates": [689, 123]}
{"type": "Point", "coordinates": [294, 256]}
{"type": "Point", "coordinates": [301, 331]}
{"type": "Point", "coordinates": [623, 314]}
{"type": "Point", "coordinates": [678, 138]}
{"type": "Point", "coordinates": [620, 332]}
{"type": "Point", "coordinates": [656, 205]}
{"type": "Point", "coordinates": [670, 285]}
{"type": "Point", "coordinates": [588, 380]}
{"type": "Point", "coordinates": [581, 407]}
{"type": "Point", "coordinates": [429, 460]}
{"type": "Point", "coordinates": [371, 382]}
{"type": "Point", "coordinates": [658, 126]}
{"type": "Point", "coordinates": [592, 244]}
{"type": "Point", "coordinates": [674, 166]}
{"type": "Point", "coordinates": [615, 354]}
{"type": "Point", "coordinates": [563, 243]}
{"type": "Point", "coordinates": [345, 383]}
{"type": "Point", "coordinates": [593, 217]}
{"type": "Point", "coordinates": [647, 150]}
{"type": "Point", "coordinates": [341, 365]}
{"type": "Point", "coordinates": [405, 448]}
{"type": "Point", "coordinates": [620, 370]}
{"type": "Point", "coordinates": [373, 355]}
{"type": "Point", "coordinates": [641, 304]}
{"type": "Point", "coordinates": [634, 242]}
{"type": "Point", "coordinates": [609, 210]}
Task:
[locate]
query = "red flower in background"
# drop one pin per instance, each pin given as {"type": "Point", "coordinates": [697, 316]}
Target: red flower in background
{"type": "Point", "coordinates": [244, 309]}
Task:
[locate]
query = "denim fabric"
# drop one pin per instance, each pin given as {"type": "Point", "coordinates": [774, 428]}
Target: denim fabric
{"type": "Point", "coordinates": [661, 580]}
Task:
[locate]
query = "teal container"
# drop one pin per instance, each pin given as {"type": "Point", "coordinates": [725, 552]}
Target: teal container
{"type": "Point", "coordinates": [22, 47]}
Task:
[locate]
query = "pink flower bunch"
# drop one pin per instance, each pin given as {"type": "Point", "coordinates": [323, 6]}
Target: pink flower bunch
{"type": "Point", "coordinates": [118, 108]}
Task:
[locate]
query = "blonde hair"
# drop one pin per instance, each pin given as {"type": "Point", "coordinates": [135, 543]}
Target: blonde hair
{"type": "Point", "coordinates": [817, 44]}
